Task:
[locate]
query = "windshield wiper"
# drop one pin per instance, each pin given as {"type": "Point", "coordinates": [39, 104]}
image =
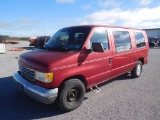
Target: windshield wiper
{"type": "Point", "coordinates": [63, 48]}
{"type": "Point", "coordinates": [57, 48]}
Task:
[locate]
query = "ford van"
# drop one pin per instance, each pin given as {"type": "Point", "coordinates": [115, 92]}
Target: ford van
{"type": "Point", "coordinates": [77, 58]}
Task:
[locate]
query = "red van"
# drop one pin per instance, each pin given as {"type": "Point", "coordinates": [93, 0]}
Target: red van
{"type": "Point", "coordinates": [78, 58]}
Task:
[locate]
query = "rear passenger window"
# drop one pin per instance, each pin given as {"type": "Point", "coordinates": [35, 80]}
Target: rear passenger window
{"type": "Point", "coordinates": [140, 41]}
{"type": "Point", "coordinates": [122, 40]}
{"type": "Point", "coordinates": [100, 36]}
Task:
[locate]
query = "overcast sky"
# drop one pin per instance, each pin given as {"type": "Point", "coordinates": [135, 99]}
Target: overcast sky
{"type": "Point", "coordinates": [45, 17]}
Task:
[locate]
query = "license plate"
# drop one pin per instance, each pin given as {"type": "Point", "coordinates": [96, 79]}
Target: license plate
{"type": "Point", "coordinates": [20, 86]}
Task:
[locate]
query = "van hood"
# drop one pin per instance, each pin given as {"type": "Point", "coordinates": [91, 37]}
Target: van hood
{"type": "Point", "coordinates": [46, 60]}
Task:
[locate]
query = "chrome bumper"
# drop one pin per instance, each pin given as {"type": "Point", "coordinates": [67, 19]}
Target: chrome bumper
{"type": "Point", "coordinates": [46, 96]}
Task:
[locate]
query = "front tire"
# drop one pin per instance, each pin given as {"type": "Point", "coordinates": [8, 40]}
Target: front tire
{"type": "Point", "coordinates": [136, 72]}
{"type": "Point", "coordinates": [71, 95]}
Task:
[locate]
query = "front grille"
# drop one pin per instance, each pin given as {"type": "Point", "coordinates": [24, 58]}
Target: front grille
{"type": "Point", "coordinates": [27, 73]}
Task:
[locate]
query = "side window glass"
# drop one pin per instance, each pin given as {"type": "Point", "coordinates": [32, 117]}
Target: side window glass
{"type": "Point", "coordinates": [122, 40]}
{"type": "Point", "coordinates": [100, 36]}
{"type": "Point", "coordinates": [140, 41]}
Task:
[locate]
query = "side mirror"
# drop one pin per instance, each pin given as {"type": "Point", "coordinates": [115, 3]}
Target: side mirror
{"type": "Point", "coordinates": [97, 47]}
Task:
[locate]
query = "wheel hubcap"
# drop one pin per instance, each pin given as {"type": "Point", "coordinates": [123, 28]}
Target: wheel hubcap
{"type": "Point", "coordinates": [72, 96]}
{"type": "Point", "coordinates": [138, 69]}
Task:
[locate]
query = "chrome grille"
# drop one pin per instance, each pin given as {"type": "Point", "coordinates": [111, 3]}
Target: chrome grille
{"type": "Point", "coordinates": [27, 73]}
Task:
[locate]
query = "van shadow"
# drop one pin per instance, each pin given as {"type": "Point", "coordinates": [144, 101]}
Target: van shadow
{"type": "Point", "coordinates": [126, 76]}
{"type": "Point", "coordinates": [15, 104]}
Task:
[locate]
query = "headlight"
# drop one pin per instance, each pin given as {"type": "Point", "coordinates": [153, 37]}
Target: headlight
{"type": "Point", "coordinates": [44, 77]}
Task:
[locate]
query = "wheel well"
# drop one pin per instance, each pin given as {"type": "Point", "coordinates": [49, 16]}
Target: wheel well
{"type": "Point", "coordinates": [80, 77]}
{"type": "Point", "coordinates": [142, 60]}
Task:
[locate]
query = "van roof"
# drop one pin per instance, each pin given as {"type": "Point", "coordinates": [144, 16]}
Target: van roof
{"type": "Point", "coordinates": [109, 26]}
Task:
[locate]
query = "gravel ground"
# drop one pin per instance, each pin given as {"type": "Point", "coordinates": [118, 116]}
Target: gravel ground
{"type": "Point", "coordinates": [122, 98]}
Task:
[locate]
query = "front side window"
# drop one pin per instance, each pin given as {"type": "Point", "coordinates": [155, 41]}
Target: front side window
{"type": "Point", "coordinates": [71, 38]}
{"type": "Point", "coordinates": [122, 40]}
{"type": "Point", "coordinates": [100, 36]}
{"type": "Point", "coordinates": [140, 41]}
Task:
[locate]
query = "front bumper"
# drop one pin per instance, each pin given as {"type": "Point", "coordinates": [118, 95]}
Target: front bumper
{"type": "Point", "coordinates": [46, 96]}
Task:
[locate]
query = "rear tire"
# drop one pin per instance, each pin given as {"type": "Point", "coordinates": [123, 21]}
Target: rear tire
{"type": "Point", "coordinates": [136, 72]}
{"type": "Point", "coordinates": [71, 95]}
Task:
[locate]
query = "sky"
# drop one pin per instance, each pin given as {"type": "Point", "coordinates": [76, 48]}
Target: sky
{"type": "Point", "coordinates": [28, 18]}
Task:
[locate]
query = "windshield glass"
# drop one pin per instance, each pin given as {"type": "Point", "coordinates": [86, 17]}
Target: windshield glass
{"type": "Point", "coordinates": [71, 38]}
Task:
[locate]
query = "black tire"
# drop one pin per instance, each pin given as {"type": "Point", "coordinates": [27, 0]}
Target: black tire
{"type": "Point", "coordinates": [136, 72]}
{"type": "Point", "coordinates": [70, 95]}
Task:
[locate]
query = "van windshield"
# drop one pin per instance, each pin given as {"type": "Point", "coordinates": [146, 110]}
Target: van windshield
{"type": "Point", "coordinates": [68, 39]}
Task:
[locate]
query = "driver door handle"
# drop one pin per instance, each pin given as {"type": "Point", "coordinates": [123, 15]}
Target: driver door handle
{"type": "Point", "coordinates": [110, 61]}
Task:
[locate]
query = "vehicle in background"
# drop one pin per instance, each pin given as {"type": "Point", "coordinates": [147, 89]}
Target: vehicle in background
{"type": "Point", "coordinates": [153, 41]}
{"type": "Point", "coordinates": [38, 42]}
{"type": "Point", "coordinates": [78, 58]}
